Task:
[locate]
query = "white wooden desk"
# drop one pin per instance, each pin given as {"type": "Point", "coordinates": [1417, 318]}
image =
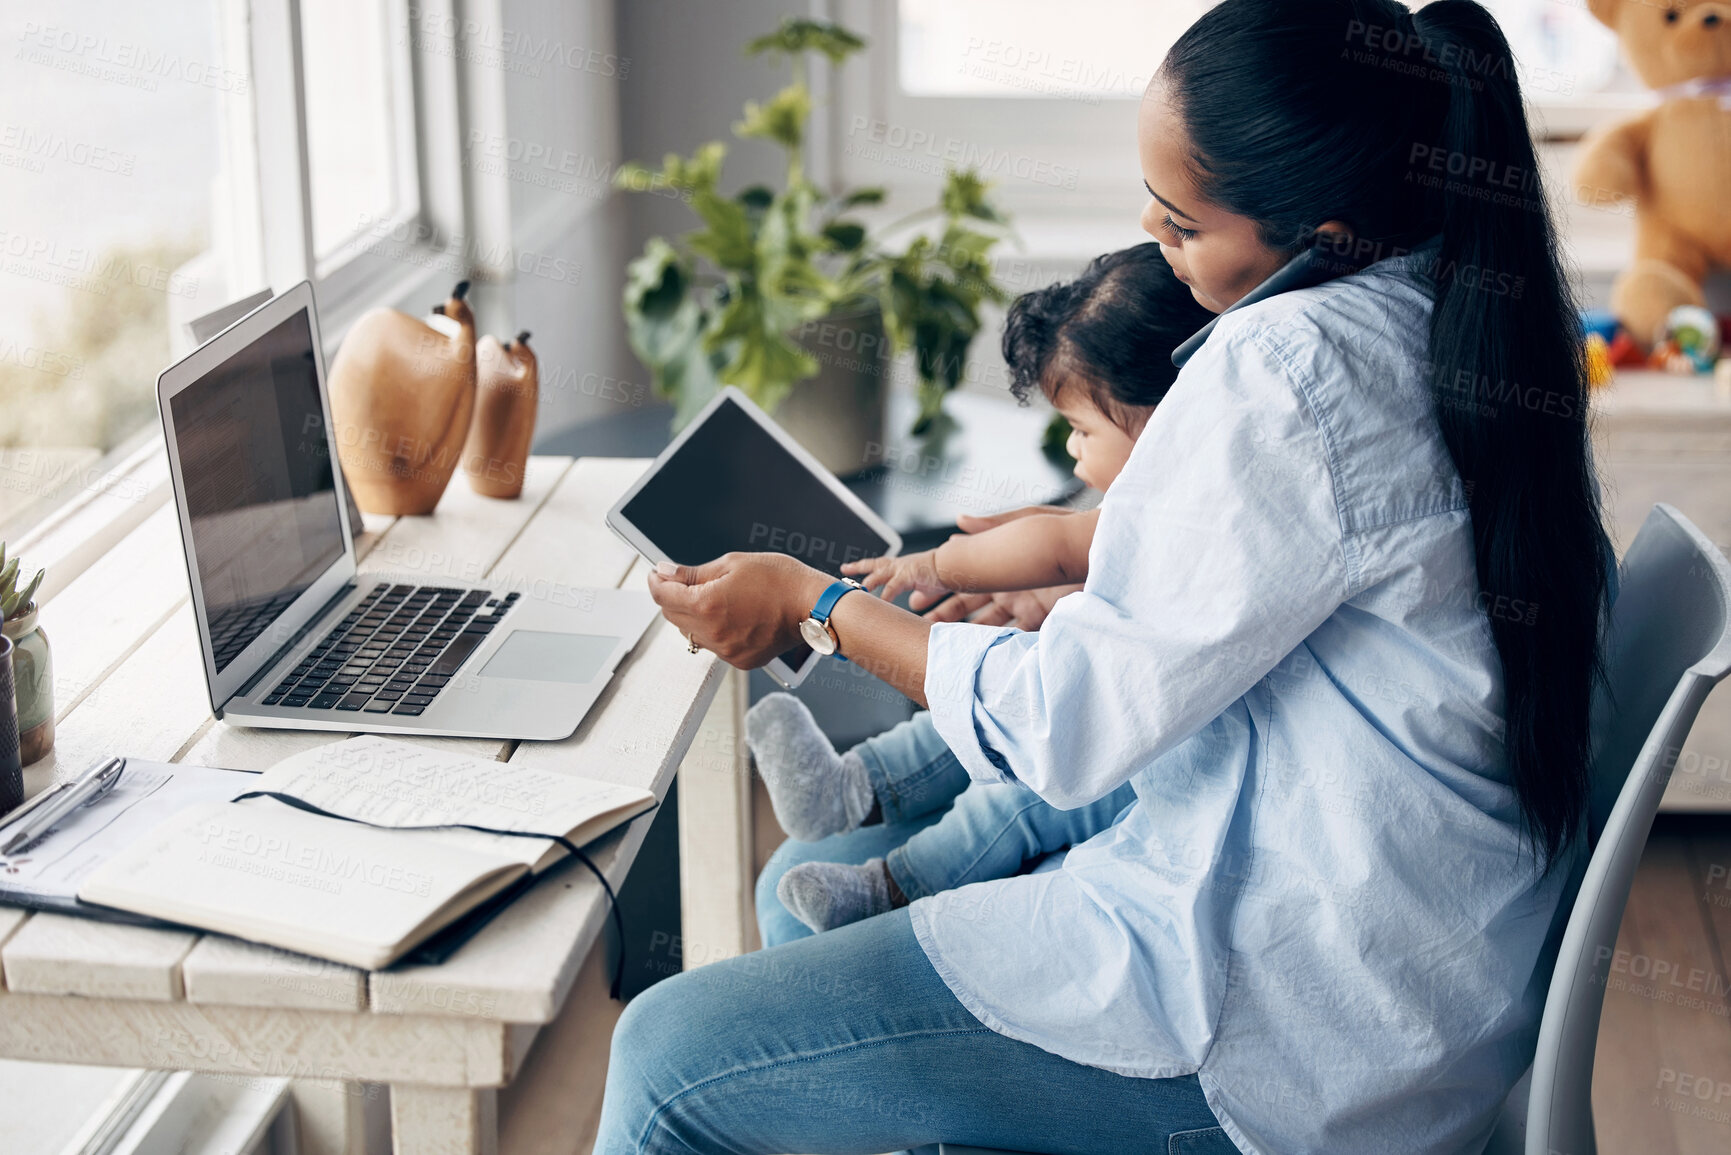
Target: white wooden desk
{"type": "Point", "coordinates": [443, 1037]}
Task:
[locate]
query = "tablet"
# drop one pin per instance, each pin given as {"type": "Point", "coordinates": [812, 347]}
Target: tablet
{"type": "Point", "coordinates": [733, 480]}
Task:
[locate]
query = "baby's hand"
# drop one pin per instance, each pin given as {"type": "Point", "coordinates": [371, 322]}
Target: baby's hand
{"type": "Point", "coordinates": [890, 577]}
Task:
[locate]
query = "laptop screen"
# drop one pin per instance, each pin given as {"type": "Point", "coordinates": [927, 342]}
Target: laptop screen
{"type": "Point", "coordinates": [260, 496]}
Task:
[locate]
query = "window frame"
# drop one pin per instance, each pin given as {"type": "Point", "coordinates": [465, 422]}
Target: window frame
{"type": "Point", "coordinates": [268, 242]}
{"type": "Point", "coordinates": [393, 258]}
{"type": "Point", "coordinates": [1069, 134]}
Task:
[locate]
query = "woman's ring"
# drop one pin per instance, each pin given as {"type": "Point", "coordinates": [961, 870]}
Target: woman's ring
{"type": "Point", "coordinates": [691, 640]}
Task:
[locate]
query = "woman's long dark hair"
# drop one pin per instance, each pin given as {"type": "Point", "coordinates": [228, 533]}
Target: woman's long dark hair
{"type": "Point", "coordinates": [1407, 126]}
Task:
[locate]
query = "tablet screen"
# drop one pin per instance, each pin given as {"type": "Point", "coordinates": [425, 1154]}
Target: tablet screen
{"type": "Point", "coordinates": [733, 486]}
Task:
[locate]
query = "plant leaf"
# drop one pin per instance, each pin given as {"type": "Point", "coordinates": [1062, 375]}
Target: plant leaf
{"type": "Point", "coordinates": [8, 574]}
{"type": "Point", "coordinates": [664, 326]}
{"type": "Point", "coordinates": [762, 360]}
{"type": "Point", "coordinates": [801, 35]}
{"type": "Point", "coordinates": [781, 119]}
{"type": "Point", "coordinates": [756, 198]}
{"type": "Point", "coordinates": [21, 599]}
{"type": "Point", "coordinates": [728, 241]}
{"type": "Point", "coordinates": [964, 195]}
{"type": "Point", "coordinates": [845, 236]}
{"type": "Point", "coordinates": [864, 196]}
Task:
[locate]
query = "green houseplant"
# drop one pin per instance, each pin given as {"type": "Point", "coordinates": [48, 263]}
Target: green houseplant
{"type": "Point", "coordinates": [726, 302]}
{"type": "Point", "coordinates": [32, 661]}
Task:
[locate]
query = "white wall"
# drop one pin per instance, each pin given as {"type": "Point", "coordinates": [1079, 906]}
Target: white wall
{"type": "Point", "coordinates": [542, 84]}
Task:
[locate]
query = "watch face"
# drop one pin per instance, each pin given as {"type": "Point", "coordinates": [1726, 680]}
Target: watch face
{"type": "Point", "coordinates": [816, 636]}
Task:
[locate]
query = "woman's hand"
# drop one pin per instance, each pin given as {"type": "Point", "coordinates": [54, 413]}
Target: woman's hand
{"type": "Point", "coordinates": [1024, 609]}
{"type": "Point", "coordinates": [743, 607]}
{"type": "Point", "coordinates": [890, 577]}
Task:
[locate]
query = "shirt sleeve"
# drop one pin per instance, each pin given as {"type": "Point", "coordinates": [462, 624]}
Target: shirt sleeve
{"type": "Point", "coordinates": [1219, 549]}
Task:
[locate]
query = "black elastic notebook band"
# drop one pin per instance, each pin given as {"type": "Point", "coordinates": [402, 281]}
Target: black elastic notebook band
{"type": "Point", "coordinates": [612, 899]}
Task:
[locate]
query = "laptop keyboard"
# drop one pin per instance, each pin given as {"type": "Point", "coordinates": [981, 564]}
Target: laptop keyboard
{"type": "Point", "coordinates": [394, 652]}
{"type": "Point", "coordinates": [238, 627]}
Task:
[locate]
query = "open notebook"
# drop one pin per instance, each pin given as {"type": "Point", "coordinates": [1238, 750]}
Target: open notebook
{"type": "Point", "coordinates": [263, 870]}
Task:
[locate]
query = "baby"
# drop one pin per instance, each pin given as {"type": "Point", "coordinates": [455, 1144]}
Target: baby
{"type": "Point", "coordinates": [1099, 348]}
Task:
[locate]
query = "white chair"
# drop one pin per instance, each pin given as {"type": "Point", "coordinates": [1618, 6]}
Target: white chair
{"type": "Point", "coordinates": [1668, 645]}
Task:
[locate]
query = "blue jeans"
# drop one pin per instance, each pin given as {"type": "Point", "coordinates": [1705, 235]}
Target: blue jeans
{"type": "Point", "coordinates": [848, 1041]}
{"type": "Point", "coordinates": [990, 830]}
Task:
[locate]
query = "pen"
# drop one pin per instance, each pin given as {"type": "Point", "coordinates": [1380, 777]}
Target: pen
{"type": "Point", "coordinates": [94, 783]}
{"type": "Point", "coordinates": [25, 810]}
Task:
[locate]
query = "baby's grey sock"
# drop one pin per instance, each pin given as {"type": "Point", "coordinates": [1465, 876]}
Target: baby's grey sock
{"type": "Point", "coordinates": [815, 792]}
{"type": "Point", "coordinates": [825, 895]}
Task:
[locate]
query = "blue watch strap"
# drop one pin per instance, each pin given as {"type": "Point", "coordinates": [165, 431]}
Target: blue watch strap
{"type": "Point", "coordinates": [826, 600]}
{"type": "Point", "coordinates": [826, 603]}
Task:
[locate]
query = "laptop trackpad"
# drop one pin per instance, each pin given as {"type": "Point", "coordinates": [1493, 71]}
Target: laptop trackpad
{"type": "Point", "coordinates": [549, 656]}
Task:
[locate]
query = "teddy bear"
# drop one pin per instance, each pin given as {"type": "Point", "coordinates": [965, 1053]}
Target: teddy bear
{"type": "Point", "coordinates": [1673, 161]}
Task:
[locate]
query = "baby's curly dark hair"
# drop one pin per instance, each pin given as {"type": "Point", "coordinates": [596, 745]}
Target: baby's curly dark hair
{"type": "Point", "coordinates": [1111, 331]}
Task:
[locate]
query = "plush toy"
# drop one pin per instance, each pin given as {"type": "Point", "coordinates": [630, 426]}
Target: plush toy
{"type": "Point", "coordinates": [1673, 161]}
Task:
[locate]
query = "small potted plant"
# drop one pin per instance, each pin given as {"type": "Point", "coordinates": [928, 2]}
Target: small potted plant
{"type": "Point", "coordinates": [786, 295]}
{"type": "Point", "coordinates": [32, 661]}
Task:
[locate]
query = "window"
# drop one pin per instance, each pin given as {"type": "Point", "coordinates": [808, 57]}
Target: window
{"type": "Point", "coordinates": [111, 148]}
{"type": "Point", "coordinates": [337, 138]}
{"type": "Point", "coordinates": [160, 161]}
{"type": "Point", "coordinates": [1041, 97]}
{"type": "Point", "coordinates": [1102, 49]}
{"type": "Point", "coordinates": [360, 140]}
{"type": "Point", "coordinates": [1090, 51]}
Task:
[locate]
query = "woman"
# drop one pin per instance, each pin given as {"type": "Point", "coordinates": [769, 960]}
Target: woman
{"type": "Point", "coordinates": [1339, 631]}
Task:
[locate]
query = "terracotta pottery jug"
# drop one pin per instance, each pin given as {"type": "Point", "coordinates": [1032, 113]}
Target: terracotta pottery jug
{"type": "Point", "coordinates": [402, 391]}
{"type": "Point", "coordinates": [507, 390]}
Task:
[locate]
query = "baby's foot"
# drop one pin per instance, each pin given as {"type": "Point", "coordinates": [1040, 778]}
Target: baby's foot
{"type": "Point", "coordinates": [815, 791]}
{"type": "Point", "coordinates": [825, 895]}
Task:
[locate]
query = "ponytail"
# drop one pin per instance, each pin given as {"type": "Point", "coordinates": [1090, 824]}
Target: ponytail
{"type": "Point", "coordinates": [1406, 127]}
{"type": "Point", "coordinates": [1524, 456]}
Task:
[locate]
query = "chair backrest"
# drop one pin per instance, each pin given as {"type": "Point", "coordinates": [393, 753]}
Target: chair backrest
{"type": "Point", "coordinates": [1668, 645]}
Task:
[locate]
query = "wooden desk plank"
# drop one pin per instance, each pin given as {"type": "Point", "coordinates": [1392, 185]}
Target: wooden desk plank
{"type": "Point", "coordinates": [152, 704]}
{"type": "Point", "coordinates": [244, 974]}
{"type": "Point", "coordinates": [109, 610]}
{"type": "Point", "coordinates": [57, 954]}
{"type": "Point", "coordinates": [256, 1041]}
{"type": "Point", "coordinates": [11, 918]}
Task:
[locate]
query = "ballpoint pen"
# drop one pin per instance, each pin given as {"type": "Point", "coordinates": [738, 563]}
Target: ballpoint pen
{"type": "Point", "coordinates": [92, 785]}
{"type": "Point", "coordinates": [42, 798]}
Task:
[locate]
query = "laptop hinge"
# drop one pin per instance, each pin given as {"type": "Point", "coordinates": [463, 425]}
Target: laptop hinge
{"type": "Point", "coordinates": [300, 636]}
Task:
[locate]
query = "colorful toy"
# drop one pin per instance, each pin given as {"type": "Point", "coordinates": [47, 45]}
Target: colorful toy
{"type": "Point", "coordinates": [1673, 162]}
{"type": "Point", "coordinates": [1693, 333]}
{"type": "Point", "coordinates": [1599, 369]}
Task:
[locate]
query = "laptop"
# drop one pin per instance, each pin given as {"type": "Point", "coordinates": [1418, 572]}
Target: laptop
{"type": "Point", "coordinates": [293, 635]}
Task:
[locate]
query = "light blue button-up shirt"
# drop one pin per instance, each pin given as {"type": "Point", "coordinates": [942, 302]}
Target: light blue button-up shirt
{"type": "Point", "coordinates": [1321, 901]}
